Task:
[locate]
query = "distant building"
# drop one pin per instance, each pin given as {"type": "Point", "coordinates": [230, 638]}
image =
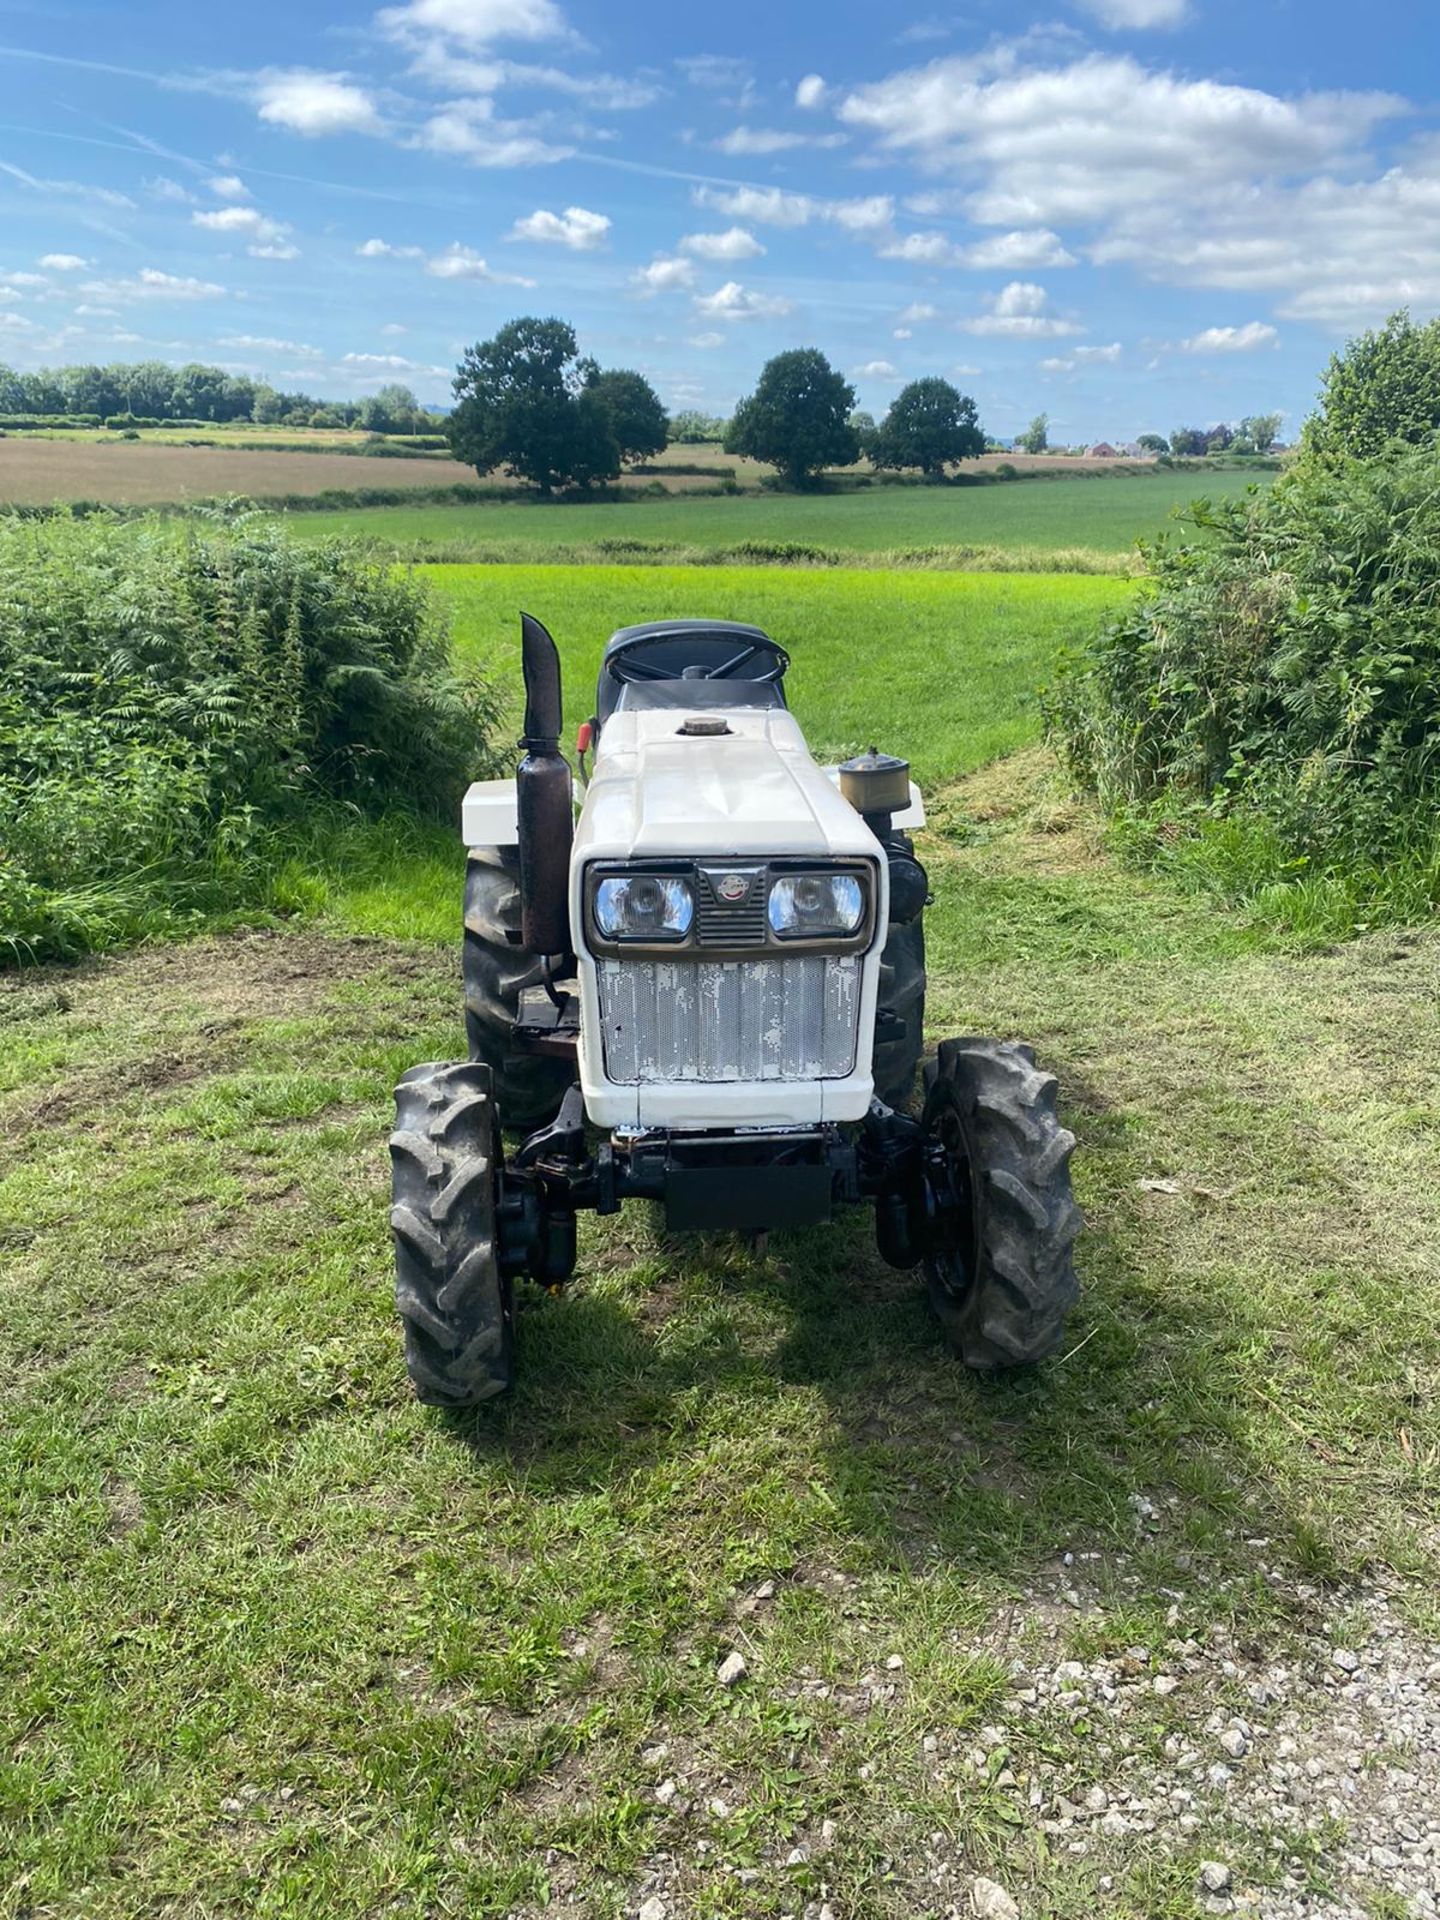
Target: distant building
{"type": "Point", "coordinates": [1102, 450]}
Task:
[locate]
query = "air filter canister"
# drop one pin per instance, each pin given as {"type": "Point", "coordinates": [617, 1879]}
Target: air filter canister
{"type": "Point", "coordinates": [876, 783]}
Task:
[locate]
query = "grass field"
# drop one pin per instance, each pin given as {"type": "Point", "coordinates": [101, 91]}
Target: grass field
{"type": "Point", "coordinates": [276, 1641]}
{"type": "Point", "coordinates": [1103, 515]}
{"type": "Point", "coordinates": [944, 664]}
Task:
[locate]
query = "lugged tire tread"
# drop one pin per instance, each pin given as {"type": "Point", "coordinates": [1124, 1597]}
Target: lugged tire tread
{"type": "Point", "coordinates": [529, 1087]}
{"type": "Point", "coordinates": [1015, 1311]}
{"type": "Point", "coordinates": [452, 1300]}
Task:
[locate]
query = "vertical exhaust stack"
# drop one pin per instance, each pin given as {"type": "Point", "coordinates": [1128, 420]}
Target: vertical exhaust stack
{"type": "Point", "coordinates": [544, 803]}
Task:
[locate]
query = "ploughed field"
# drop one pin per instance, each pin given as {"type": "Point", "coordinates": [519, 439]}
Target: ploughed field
{"type": "Point", "coordinates": [36, 473]}
{"type": "Point", "coordinates": [278, 1640]}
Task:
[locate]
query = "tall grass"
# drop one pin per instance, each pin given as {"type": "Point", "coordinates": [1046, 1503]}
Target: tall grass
{"type": "Point", "coordinates": [1264, 716]}
{"type": "Point", "coordinates": [180, 704]}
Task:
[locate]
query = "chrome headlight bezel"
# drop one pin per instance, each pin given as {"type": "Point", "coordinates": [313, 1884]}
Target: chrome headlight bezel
{"type": "Point", "coordinates": [721, 927]}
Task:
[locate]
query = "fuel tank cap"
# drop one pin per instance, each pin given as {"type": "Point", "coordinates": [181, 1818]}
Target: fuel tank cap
{"type": "Point", "coordinates": [705, 725]}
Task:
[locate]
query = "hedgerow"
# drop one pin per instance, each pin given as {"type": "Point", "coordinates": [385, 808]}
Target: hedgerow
{"type": "Point", "coordinates": [176, 700]}
{"type": "Point", "coordinates": [1266, 712]}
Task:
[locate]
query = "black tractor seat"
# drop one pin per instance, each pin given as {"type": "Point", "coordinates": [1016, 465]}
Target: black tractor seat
{"type": "Point", "coordinates": [695, 664]}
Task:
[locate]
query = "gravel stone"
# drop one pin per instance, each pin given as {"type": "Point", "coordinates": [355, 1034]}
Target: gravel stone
{"type": "Point", "coordinates": [731, 1670]}
{"type": "Point", "coordinates": [990, 1901]}
{"type": "Point", "coordinates": [1214, 1876]}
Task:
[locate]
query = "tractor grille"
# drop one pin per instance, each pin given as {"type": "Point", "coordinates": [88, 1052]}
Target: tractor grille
{"type": "Point", "coordinates": [783, 1017]}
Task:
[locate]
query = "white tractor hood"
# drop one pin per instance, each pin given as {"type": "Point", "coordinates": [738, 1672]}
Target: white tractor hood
{"type": "Point", "coordinates": [752, 791]}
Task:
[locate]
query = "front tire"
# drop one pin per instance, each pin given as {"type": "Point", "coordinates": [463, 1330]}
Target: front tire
{"type": "Point", "coordinates": [456, 1306]}
{"type": "Point", "coordinates": [497, 971]}
{"type": "Point", "coordinates": [1000, 1273]}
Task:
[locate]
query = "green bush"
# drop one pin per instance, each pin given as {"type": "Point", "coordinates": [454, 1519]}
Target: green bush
{"type": "Point", "coordinates": [1267, 711]}
{"type": "Point", "coordinates": [176, 701]}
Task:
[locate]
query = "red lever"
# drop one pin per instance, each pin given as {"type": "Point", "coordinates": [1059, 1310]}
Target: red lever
{"type": "Point", "coordinates": [584, 737]}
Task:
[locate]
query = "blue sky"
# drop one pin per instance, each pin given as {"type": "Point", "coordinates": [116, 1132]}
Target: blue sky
{"type": "Point", "coordinates": [1128, 213]}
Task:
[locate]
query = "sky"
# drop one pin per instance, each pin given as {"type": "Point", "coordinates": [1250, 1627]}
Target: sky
{"type": "Point", "coordinates": [1130, 214]}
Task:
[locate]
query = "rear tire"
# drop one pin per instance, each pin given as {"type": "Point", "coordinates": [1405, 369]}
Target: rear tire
{"type": "Point", "coordinates": [456, 1306]}
{"type": "Point", "coordinates": [497, 971]}
{"type": "Point", "coordinates": [902, 992]}
{"type": "Point", "coordinates": [1003, 1284]}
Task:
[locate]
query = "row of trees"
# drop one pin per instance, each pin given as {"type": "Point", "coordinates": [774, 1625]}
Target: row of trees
{"type": "Point", "coordinates": [529, 401]}
{"type": "Point", "coordinates": [151, 390]}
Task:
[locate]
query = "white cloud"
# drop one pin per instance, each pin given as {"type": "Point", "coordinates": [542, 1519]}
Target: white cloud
{"type": "Point", "coordinates": [766, 140]}
{"type": "Point", "coordinates": [462, 263]}
{"type": "Point", "coordinates": [16, 323]}
{"type": "Point", "coordinates": [470, 130]}
{"type": "Point", "coordinates": [1083, 356]}
{"type": "Point", "coordinates": [664, 273]}
{"type": "Point", "coordinates": [769, 206]}
{"type": "Point", "coordinates": [1255, 333]}
{"type": "Point", "coordinates": [150, 283]}
{"type": "Point", "coordinates": [382, 250]}
{"type": "Point", "coordinates": [163, 188]}
{"type": "Point", "coordinates": [919, 311]}
{"type": "Point", "coordinates": [734, 244]}
{"type": "Point", "coordinates": [611, 92]}
{"type": "Point", "coordinates": [267, 239]}
{"type": "Point", "coordinates": [23, 279]}
{"type": "Point", "coordinates": [903, 333]}
{"type": "Point", "coordinates": [1341, 253]}
{"type": "Point", "coordinates": [921, 249]}
{"type": "Point", "coordinates": [576, 228]}
{"type": "Point", "coordinates": [715, 71]}
{"type": "Point", "coordinates": [228, 186]}
{"type": "Point", "coordinates": [734, 302]}
{"type": "Point", "coordinates": [705, 341]}
{"type": "Point", "coordinates": [476, 23]}
{"type": "Point", "coordinates": [392, 329]}
{"type": "Point", "coordinates": [1091, 139]}
{"type": "Point", "coordinates": [875, 370]}
{"type": "Point", "coordinates": [811, 92]}
{"type": "Point", "coordinates": [63, 262]}
{"type": "Point", "coordinates": [315, 103]}
{"type": "Point", "coordinates": [872, 214]}
{"type": "Point", "coordinates": [1019, 312]}
{"type": "Point", "coordinates": [1025, 247]}
{"type": "Point", "coordinates": [1119, 15]}
{"type": "Point", "coordinates": [267, 343]}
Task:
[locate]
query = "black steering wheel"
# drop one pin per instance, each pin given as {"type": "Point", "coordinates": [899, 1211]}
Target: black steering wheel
{"type": "Point", "coordinates": [628, 670]}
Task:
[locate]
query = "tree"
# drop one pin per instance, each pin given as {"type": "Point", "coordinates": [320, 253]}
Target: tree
{"type": "Point", "coordinates": [1381, 387]}
{"type": "Point", "coordinates": [797, 418]}
{"type": "Point", "coordinates": [1187, 442]}
{"type": "Point", "coordinates": [1218, 439]}
{"type": "Point", "coordinates": [930, 425]}
{"type": "Point", "coordinates": [637, 418]}
{"type": "Point", "coordinates": [1153, 443]}
{"type": "Point", "coordinates": [391, 409]}
{"type": "Point", "coordinates": [518, 406]}
{"type": "Point", "coordinates": [691, 428]}
{"type": "Point", "coordinates": [862, 425]}
{"type": "Point", "coordinates": [1260, 429]}
{"type": "Point", "coordinates": [12, 391]}
{"type": "Point", "coordinates": [1036, 437]}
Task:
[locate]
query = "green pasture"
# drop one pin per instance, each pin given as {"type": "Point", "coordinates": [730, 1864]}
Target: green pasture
{"type": "Point", "coordinates": [942, 667]}
{"type": "Point", "coordinates": [1103, 514]}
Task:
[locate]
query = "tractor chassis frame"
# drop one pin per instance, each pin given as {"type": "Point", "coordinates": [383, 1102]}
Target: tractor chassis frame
{"type": "Point", "coordinates": [747, 1181]}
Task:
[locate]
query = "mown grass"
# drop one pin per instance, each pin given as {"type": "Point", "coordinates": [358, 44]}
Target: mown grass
{"type": "Point", "coordinates": [1102, 514]}
{"type": "Point", "coordinates": [279, 1641]}
{"type": "Point", "coordinates": [940, 667]}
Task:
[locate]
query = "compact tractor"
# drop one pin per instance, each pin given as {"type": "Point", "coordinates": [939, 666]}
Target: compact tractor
{"type": "Point", "coordinates": [705, 987]}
